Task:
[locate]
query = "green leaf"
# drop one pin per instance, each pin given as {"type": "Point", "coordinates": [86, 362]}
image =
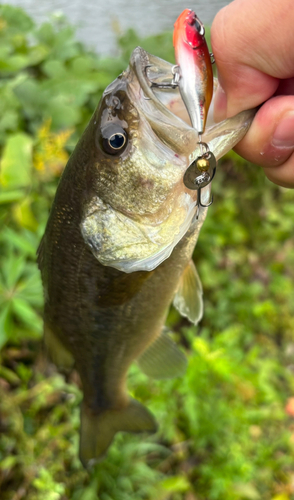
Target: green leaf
{"type": "Point", "coordinates": [63, 113]}
{"type": "Point", "coordinates": [90, 493]}
{"type": "Point", "coordinates": [27, 314]}
{"type": "Point", "coordinates": [25, 242]}
{"type": "Point", "coordinates": [16, 164]}
{"type": "Point", "coordinates": [12, 269]}
{"type": "Point", "coordinates": [175, 484]}
{"type": "Point", "coordinates": [247, 491]}
{"type": "Point", "coordinates": [9, 109]}
{"type": "Point", "coordinates": [13, 63]}
{"type": "Point", "coordinates": [54, 69]}
{"type": "Point", "coordinates": [31, 288]}
{"type": "Point", "coordinates": [31, 99]}
{"type": "Point", "coordinates": [5, 325]}
{"type": "Point", "coordinates": [8, 463]}
{"type": "Point", "coordinates": [9, 375]}
{"type": "Point", "coordinates": [45, 483]}
{"type": "Point", "coordinates": [37, 54]}
{"type": "Point", "coordinates": [10, 196]}
{"type": "Point", "coordinates": [24, 216]}
{"type": "Point", "coordinates": [16, 18]}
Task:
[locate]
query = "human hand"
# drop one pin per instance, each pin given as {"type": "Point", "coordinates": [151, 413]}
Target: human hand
{"type": "Point", "coordinates": [253, 45]}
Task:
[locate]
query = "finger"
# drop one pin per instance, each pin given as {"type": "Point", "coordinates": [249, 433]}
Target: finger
{"type": "Point", "coordinates": [270, 140]}
{"type": "Point", "coordinates": [247, 90]}
{"type": "Point", "coordinates": [252, 51]}
{"type": "Point", "coordinates": [282, 175]}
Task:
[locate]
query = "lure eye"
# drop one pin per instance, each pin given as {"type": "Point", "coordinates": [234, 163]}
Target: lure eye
{"type": "Point", "coordinates": [113, 139]}
{"type": "Point", "coordinates": [199, 27]}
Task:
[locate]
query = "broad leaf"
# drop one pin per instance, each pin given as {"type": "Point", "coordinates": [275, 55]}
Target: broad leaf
{"type": "Point", "coordinates": [16, 164]}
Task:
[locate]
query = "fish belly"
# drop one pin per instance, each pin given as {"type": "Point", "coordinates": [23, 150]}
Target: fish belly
{"type": "Point", "coordinates": [106, 319]}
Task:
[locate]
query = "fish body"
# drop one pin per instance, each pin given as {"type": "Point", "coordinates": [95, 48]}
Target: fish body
{"type": "Point", "coordinates": [117, 249]}
{"type": "Point", "coordinates": [193, 58]}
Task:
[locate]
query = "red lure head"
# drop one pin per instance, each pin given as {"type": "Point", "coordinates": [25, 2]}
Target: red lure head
{"type": "Point", "coordinates": [191, 29]}
{"type": "Point", "coordinates": [194, 30]}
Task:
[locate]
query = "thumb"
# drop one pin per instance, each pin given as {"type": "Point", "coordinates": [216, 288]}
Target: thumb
{"type": "Point", "coordinates": [252, 43]}
{"type": "Point", "coordinates": [270, 140]}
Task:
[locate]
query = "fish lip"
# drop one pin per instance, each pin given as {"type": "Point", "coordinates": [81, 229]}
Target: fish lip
{"type": "Point", "coordinates": [140, 61]}
{"type": "Point", "coordinates": [173, 131]}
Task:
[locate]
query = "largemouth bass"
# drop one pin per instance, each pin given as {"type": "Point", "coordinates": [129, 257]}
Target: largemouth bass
{"type": "Point", "coordinates": [118, 244]}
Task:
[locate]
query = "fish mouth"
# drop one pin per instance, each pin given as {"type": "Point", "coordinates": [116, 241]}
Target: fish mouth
{"type": "Point", "coordinates": [161, 103]}
{"type": "Point", "coordinates": [155, 77]}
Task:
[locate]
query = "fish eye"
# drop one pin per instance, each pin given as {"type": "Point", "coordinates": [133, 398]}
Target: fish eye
{"type": "Point", "coordinates": [117, 141]}
{"type": "Point", "coordinates": [113, 139]}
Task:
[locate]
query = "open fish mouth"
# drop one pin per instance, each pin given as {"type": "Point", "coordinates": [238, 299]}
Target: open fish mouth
{"type": "Point", "coordinates": [156, 79]}
{"type": "Point", "coordinates": [161, 102]}
{"type": "Point", "coordinates": [165, 146]}
{"type": "Point", "coordinates": [158, 84]}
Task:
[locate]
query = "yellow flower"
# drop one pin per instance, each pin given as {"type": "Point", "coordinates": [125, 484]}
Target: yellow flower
{"type": "Point", "coordinates": [50, 155]}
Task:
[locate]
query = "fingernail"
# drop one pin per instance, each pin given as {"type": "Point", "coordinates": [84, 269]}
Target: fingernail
{"type": "Point", "coordinates": [220, 104]}
{"type": "Point", "coordinates": [284, 134]}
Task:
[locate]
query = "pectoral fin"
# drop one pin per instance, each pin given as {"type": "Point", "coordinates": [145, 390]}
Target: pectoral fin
{"type": "Point", "coordinates": [163, 359]}
{"type": "Point", "coordinates": [58, 354]}
{"type": "Point", "coordinates": [188, 299]}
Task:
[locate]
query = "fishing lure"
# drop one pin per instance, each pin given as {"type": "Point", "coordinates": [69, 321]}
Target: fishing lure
{"type": "Point", "coordinates": [194, 66]}
{"type": "Point", "coordinates": [194, 77]}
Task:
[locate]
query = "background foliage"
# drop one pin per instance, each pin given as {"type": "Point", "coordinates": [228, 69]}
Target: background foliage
{"type": "Point", "coordinates": [226, 428]}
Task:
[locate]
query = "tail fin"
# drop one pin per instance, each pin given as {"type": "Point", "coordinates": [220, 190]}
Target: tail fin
{"type": "Point", "coordinates": [98, 430]}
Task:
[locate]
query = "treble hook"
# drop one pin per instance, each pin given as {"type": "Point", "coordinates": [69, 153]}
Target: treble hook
{"type": "Point", "coordinates": [145, 71]}
{"type": "Point", "coordinates": [174, 83]}
{"type": "Point", "coordinates": [199, 202]}
{"type": "Point", "coordinates": [177, 75]}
